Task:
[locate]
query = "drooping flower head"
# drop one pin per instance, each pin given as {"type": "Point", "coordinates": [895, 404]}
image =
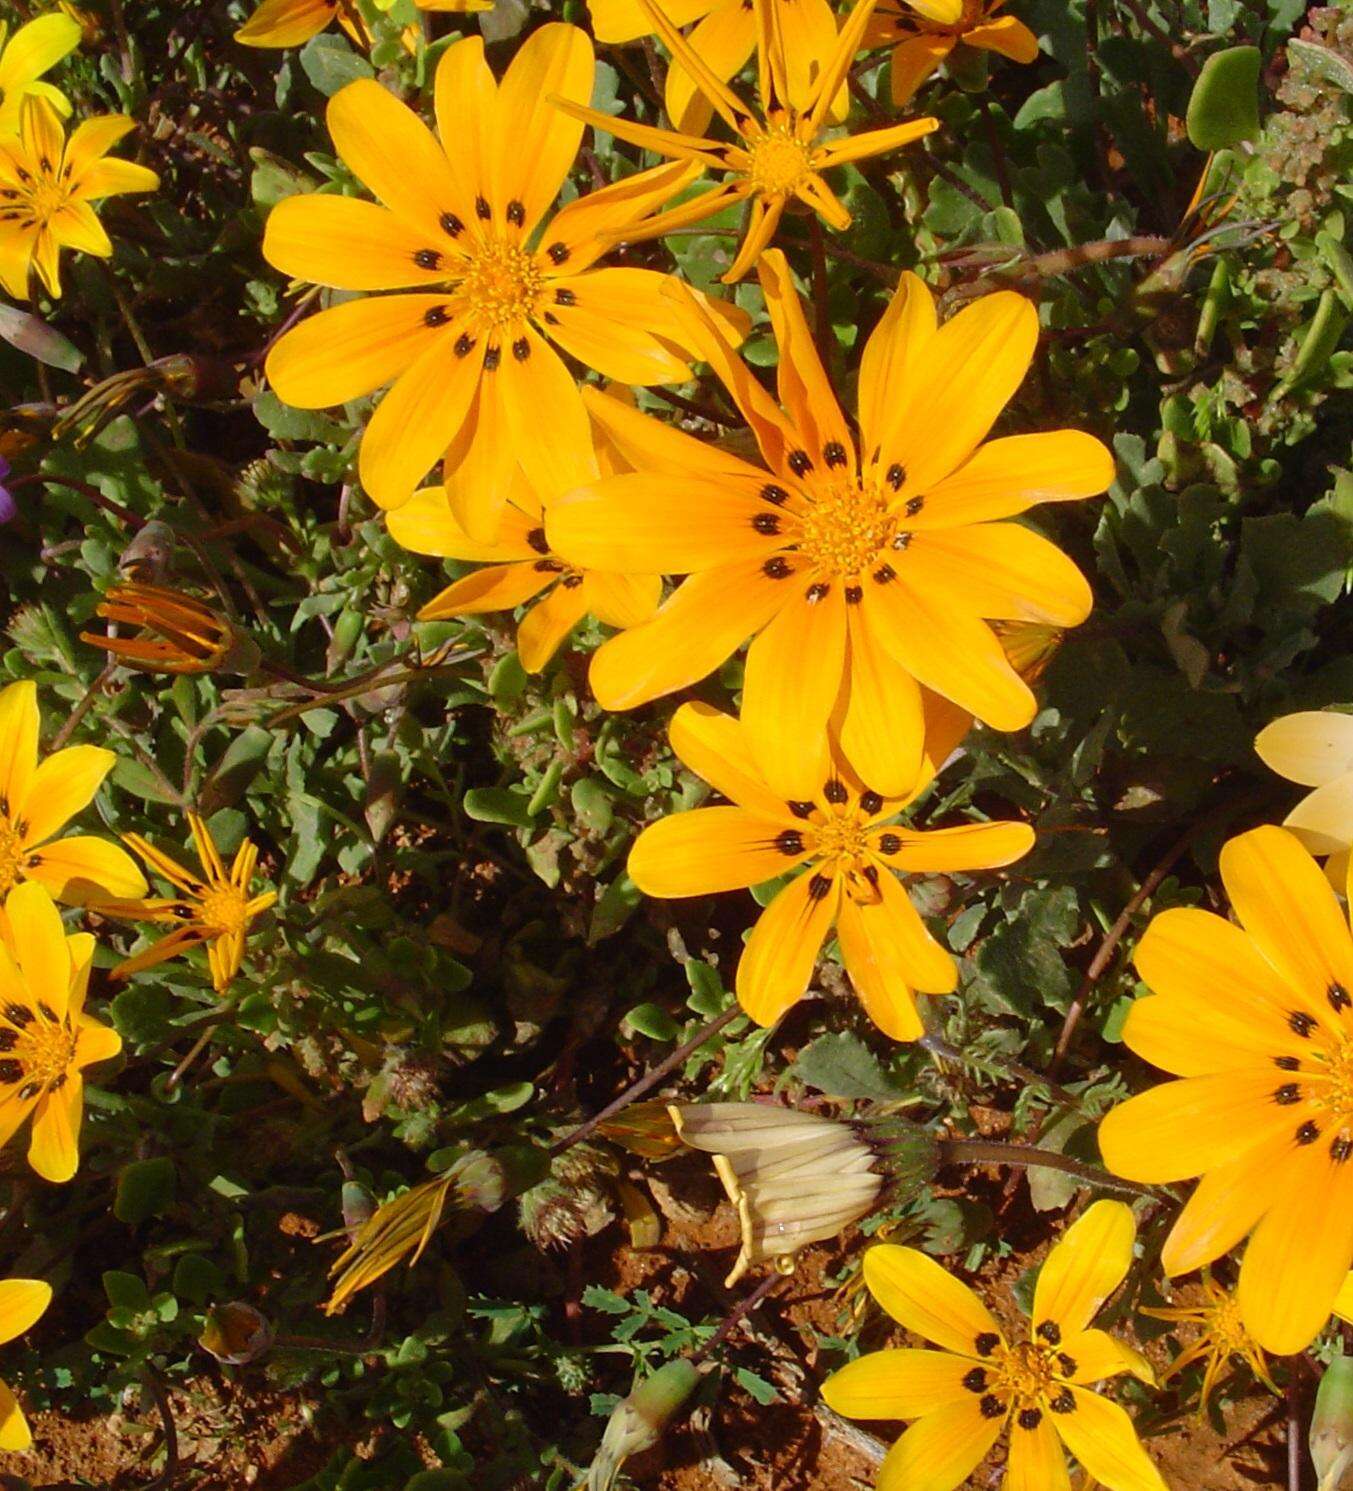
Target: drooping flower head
{"type": "Point", "coordinates": [291, 23]}
{"type": "Point", "coordinates": [22, 1304]}
{"type": "Point", "coordinates": [173, 632]}
{"type": "Point", "coordinates": [1256, 1020]}
{"type": "Point", "coordinates": [1215, 1336]}
{"type": "Point", "coordinates": [47, 186]}
{"type": "Point", "coordinates": [843, 838]}
{"type": "Point", "coordinates": [862, 567]}
{"type": "Point", "coordinates": [981, 1385]}
{"type": "Point", "coordinates": [37, 799]}
{"type": "Point", "coordinates": [477, 382]}
{"type": "Point", "coordinates": [34, 49]}
{"type": "Point", "coordinates": [724, 36]}
{"type": "Point", "coordinates": [781, 150]}
{"type": "Point", "coordinates": [922, 41]}
{"type": "Point", "coordinates": [1315, 749]}
{"type": "Point", "coordinates": [214, 908]}
{"type": "Point", "coordinates": [46, 1039]}
{"type": "Point", "coordinates": [519, 564]}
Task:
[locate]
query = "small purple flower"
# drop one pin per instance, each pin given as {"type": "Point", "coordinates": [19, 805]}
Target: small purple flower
{"type": "Point", "coordinates": [7, 507]}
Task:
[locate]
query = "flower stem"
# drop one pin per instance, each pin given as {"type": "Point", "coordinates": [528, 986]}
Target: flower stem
{"type": "Point", "coordinates": [993, 1152]}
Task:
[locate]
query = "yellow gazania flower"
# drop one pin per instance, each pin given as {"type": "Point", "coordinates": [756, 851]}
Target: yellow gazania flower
{"type": "Point", "coordinates": [724, 36]}
{"type": "Point", "coordinates": [397, 1229]}
{"type": "Point", "coordinates": [37, 799]}
{"type": "Point", "coordinates": [851, 854]}
{"type": "Point", "coordinates": [979, 1385]}
{"type": "Point", "coordinates": [24, 57]}
{"type": "Point", "coordinates": [519, 564]}
{"type": "Point", "coordinates": [1255, 1019]}
{"type": "Point", "coordinates": [1219, 1335]}
{"type": "Point", "coordinates": [47, 184]}
{"type": "Point", "coordinates": [476, 381]}
{"type": "Point", "coordinates": [177, 633]}
{"type": "Point", "coordinates": [1315, 749]}
{"type": "Point", "coordinates": [22, 1304]}
{"type": "Point", "coordinates": [921, 43]}
{"type": "Point", "coordinates": [781, 153]}
{"type": "Point", "coordinates": [291, 23]}
{"type": "Point", "coordinates": [861, 576]}
{"type": "Point", "coordinates": [214, 908]}
{"type": "Point", "coordinates": [45, 1036]}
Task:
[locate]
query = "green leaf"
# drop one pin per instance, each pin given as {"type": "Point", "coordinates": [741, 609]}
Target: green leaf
{"type": "Point", "coordinates": [145, 1189]}
{"type": "Point", "coordinates": [758, 1387]}
{"type": "Point", "coordinates": [653, 1021]}
{"type": "Point", "coordinates": [1224, 107]}
{"type": "Point", "coordinates": [141, 1014]}
{"type": "Point", "coordinates": [125, 1291]}
{"type": "Point", "coordinates": [330, 63]}
{"type": "Point", "coordinates": [842, 1066]}
{"type": "Point", "coordinates": [31, 335]}
{"type": "Point", "coordinates": [498, 805]}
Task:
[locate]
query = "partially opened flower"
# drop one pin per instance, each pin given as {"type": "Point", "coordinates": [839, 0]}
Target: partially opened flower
{"type": "Point", "coordinates": [724, 37]}
{"type": "Point", "coordinates": [35, 48]}
{"type": "Point", "coordinates": [1315, 749]}
{"type": "Point", "coordinates": [519, 565]}
{"type": "Point", "coordinates": [1257, 1022]}
{"type": "Point", "coordinates": [782, 147]}
{"type": "Point", "coordinates": [45, 1035]}
{"type": "Point", "coordinates": [38, 799]}
{"type": "Point", "coordinates": [845, 840]}
{"type": "Point", "coordinates": [22, 1304]}
{"type": "Point", "coordinates": [795, 1178]}
{"type": "Point", "coordinates": [173, 632]}
{"type": "Point", "coordinates": [1216, 1337]}
{"type": "Point", "coordinates": [215, 907]}
{"type": "Point", "coordinates": [861, 570]}
{"type": "Point", "coordinates": [291, 23]}
{"type": "Point", "coordinates": [922, 41]}
{"type": "Point", "coordinates": [981, 1385]}
{"type": "Point", "coordinates": [477, 382]}
{"type": "Point", "coordinates": [47, 187]}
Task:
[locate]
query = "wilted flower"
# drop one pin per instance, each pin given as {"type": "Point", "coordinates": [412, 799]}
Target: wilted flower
{"type": "Point", "coordinates": [1315, 749]}
{"type": "Point", "coordinates": [979, 1385]}
{"type": "Point", "coordinates": [645, 1129]}
{"type": "Point", "coordinates": [37, 798]}
{"type": "Point", "coordinates": [45, 1035]}
{"type": "Point", "coordinates": [214, 908]}
{"type": "Point", "coordinates": [22, 1302]}
{"type": "Point", "coordinates": [797, 1178]}
{"type": "Point", "coordinates": [1219, 1336]}
{"type": "Point", "coordinates": [47, 186]}
{"type": "Point", "coordinates": [177, 633]}
{"type": "Point", "coordinates": [25, 56]}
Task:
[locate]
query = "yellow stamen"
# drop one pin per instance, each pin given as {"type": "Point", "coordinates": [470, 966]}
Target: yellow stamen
{"type": "Point", "coordinates": [779, 161]}
{"type": "Point", "coordinates": [11, 855]}
{"type": "Point", "coordinates": [223, 910]}
{"type": "Point", "coordinates": [847, 528]}
{"type": "Point", "coordinates": [42, 1054]}
{"type": "Point", "coordinates": [503, 285]}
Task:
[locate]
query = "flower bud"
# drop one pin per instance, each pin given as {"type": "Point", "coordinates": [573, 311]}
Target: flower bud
{"type": "Point", "coordinates": [1331, 1438]}
{"type": "Point", "coordinates": [637, 1422]}
{"type": "Point", "coordinates": [236, 1333]}
{"type": "Point", "coordinates": [176, 633]}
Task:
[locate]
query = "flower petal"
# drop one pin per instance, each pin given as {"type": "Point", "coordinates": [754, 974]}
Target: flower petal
{"type": "Point", "coordinates": [622, 600]}
{"type": "Point", "coordinates": [39, 945]}
{"type": "Point", "coordinates": [898, 1384]}
{"type": "Point", "coordinates": [714, 746]}
{"type": "Point", "coordinates": [63, 785]}
{"type": "Point", "coordinates": [19, 726]}
{"type": "Point", "coordinates": [285, 23]}
{"type": "Point", "coordinates": [1323, 820]}
{"type": "Point", "coordinates": [22, 1303]}
{"type": "Point", "coordinates": [648, 444]}
{"type": "Point", "coordinates": [724, 39]}
{"type": "Point", "coordinates": [15, 1435]}
{"type": "Point", "coordinates": [1099, 1356]}
{"type": "Point", "coordinates": [1002, 571]}
{"type": "Point", "coordinates": [54, 1140]}
{"type": "Point", "coordinates": [888, 952]}
{"type": "Point", "coordinates": [1036, 1461]}
{"type": "Point", "coordinates": [1006, 35]}
{"type": "Point", "coordinates": [34, 48]}
{"type": "Point", "coordinates": [701, 624]}
{"type": "Point", "coordinates": [781, 953]}
{"type": "Point", "coordinates": [1088, 1263]}
{"type": "Point", "coordinates": [1312, 747]}
{"type": "Point", "coordinates": [1007, 476]}
{"type": "Point", "coordinates": [497, 587]}
{"type": "Point", "coordinates": [425, 524]}
{"type": "Point", "coordinates": [893, 366]}
{"type": "Point", "coordinates": [581, 231]}
{"type": "Point", "coordinates": [82, 868]}
{"type": "Point", "coordinates": [970, 846]}
{"type": "Point", "coordinates": [792, 678]}
{"type": "Point", "coordinates": [1101, 1436]}
{"type": "Point", "coordinates": [542, 630]}
{"type": "Point", "coordinates": [941, 1450]}
{"type": "Point", "coordinates": [1285, 903]}
{"type": "Point", "coordinates": [350, 244]}
{"type": "Point", "coordinates": [709, 850]}
{"type": "Point", "coordinates": [882, 729]}
{"type": "Point", "coordinates": [926, 1298]}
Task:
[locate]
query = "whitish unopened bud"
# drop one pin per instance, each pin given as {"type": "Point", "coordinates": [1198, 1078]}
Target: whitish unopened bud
{"type": "Point", "coordinates": [1332, 1426]}
{"type": "Point", "coordinates": [236, 1333]}
{"type": "Point", "coordinates": [795, 1178]}
{"type": "Point", "coordinates": [637, 1422]}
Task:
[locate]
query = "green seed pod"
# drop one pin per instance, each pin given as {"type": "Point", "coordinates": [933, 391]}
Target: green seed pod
{"type": "Point", "coordinates": [637, 1422]}
{"type": "Point", "coordinates": [1331, 1437]}
{"type": "Point", "coordinates": [1215, 301]}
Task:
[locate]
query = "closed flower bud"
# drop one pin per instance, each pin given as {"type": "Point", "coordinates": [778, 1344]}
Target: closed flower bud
{"type": "Point", "coordinates": [637, 1422]}
{"type": "Point", "coordinates": [795, 1178]}
{"type": "Point", "coordinates": [236, 1333]}
{"type": "Point", "coordinates": [1331, 1438]}
{"type": "Point", "coordinates": [175, 633]}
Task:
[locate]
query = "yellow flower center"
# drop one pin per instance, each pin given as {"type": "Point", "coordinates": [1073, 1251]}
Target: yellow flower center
{"type": "Point", "coordinates": [39, 1050]}
{"type": "Point", "coordinates": [839, 838]}
{"type": "Point", "coordinates": [1026, 1375]}
{"type": "Point", "coordinates": [11, 856]}
{"type": "Point", "coordinates": [779, 161]}
{"type": "Point", "coordinates": [221, 909]}
{"type": "Point", "coordinates": [502, 285]}
{"type": "Point", "coordinates": [1224, 1325]}
{"type": "Point", "coordinates": [846, 528]}
{"type": "Point", "coordinates": [47, 197]}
